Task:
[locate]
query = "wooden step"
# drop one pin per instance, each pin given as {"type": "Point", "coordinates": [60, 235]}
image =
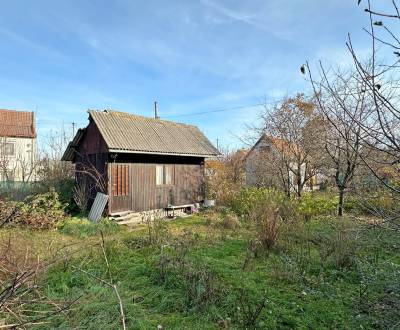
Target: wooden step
{"type": "Point", "coordinates": [132, 221]}
{"type": "Point", "coordinates": [120, 214]}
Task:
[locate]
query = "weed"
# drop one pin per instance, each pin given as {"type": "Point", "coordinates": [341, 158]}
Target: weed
{"type": "Point", "coordinates": [83, 228]}
{"type": "Point", "coordinates": [340, 248]}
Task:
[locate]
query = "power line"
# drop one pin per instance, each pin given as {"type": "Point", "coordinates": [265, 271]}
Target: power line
{"type": "Point", "coordinates": [213, 111]}
{"type": "Point", "coordinates": [224, 109]}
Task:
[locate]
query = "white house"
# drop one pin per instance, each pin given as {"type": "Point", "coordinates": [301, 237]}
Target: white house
{"type": "Point", "coordinates": [270, 163]}
{"type": "Point", "coordinates": [18, 148]}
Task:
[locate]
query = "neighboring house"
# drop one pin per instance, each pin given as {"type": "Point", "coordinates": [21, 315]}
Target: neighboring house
{"type": "Point", "coordinates": [17, 146]}
{"type": "Point", "coordinates": [270, 163]}
{"type": "Point", "coordinates": [141, 163]}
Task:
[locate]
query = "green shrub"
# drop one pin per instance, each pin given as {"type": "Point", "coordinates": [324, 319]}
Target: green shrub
{"type": "Point", "coordinates": [377, 203]}
{"type": "Point", "coordinates": [41, 211]}
{"type": "Point", "coordinates": [44, 203]}
{"type": "Point", "coordinates": [176, 270]}
{"type": "Point", "coordinates": [317, 204]}
{"type": "Point", "coordinates": [266, 210]}
{"type": "Point", "coordinates": [65, 190]}
{"type": "Point", "coordinates": [247, 198]}
{"type": "Point", "coordinates": [340, 248]}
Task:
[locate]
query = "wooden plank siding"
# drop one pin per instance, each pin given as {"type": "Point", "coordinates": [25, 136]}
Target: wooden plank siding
{"type": "Point", "coordinates": [143, 187]}
{"type": "Point", "coordinates": [143, 193]}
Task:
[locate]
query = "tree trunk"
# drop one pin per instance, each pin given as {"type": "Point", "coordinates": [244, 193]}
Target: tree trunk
{"type": "Point", "coordinates": [299, 190]}
{"type": "Point", "coordinates": [341, 200]}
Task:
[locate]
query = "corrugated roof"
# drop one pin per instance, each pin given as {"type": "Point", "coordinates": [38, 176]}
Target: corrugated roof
{"type": "Point", "coordinates": [69, 153]}
{"type": "Point", "coordinates": [17, 124]}
{"type": "Point", "coordinates": [124, 132]}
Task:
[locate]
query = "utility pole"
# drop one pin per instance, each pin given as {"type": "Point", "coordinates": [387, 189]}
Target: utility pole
{"type": "Point", "coordinates": [73, 129]}
{"type": "Point", "coordinates": [156, 110]}
{"type": "Point", "coordinates": [218, 144]}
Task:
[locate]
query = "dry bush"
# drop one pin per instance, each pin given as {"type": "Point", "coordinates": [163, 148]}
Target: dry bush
{"type": "Point", "coordinates": [201, 287]}
{"type": "Point", "coordinates": [267, 223]}
{"type": "Point", "coordinates": [222, 219]}
{"type": "Point", "coordinates": [225, 177]}
{"type": "Point", "coordinates": [249, 310]}
{"type": "Point", "coordinates": [211, 217]}
{"type": "Point", "coordinates": [175, 268]}
{"type": "Point", "coordinates": [340, 248]}
{"type": "Point", "coordinates": [22, 301]}
{"type": "Point", "coordinates": [81, 196]}
{"type": "Point", "coordinates": [8, 210]}
{"type": "Point", "coordinates": [230, 221]}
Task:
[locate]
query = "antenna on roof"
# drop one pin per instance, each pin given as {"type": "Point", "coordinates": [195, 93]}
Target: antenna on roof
{"type": "Point", "coordinates": [156, 110]}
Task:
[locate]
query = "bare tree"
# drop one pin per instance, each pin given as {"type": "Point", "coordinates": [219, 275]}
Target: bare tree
{"type": "Point", "coordinates": [268, 167]}
{"type": "Point", "coordinates": [295, 127]}
{"type": "Point", "coordinates": [343, 104]}
{"type": "Point", "coordinates": [52, 170]}
{"type": "Point", "coordinates": [376, 85]}
{"type": "Point", "coordinates": [381, 83]}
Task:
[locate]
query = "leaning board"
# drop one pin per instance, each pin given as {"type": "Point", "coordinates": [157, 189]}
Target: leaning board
{"type": "Point", "coordinates": [98, 207]}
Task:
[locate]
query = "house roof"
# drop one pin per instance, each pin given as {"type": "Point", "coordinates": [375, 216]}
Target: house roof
{"type": "Point", "coordinates": [128, 133]}
{"type": "Point", "coordinates": [20, 124]}
{"type": "Point", "coordinates": [281, 145]}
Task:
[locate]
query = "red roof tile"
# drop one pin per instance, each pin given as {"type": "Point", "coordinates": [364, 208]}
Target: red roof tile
{"type": "Point", "coordinates": [17, 124]}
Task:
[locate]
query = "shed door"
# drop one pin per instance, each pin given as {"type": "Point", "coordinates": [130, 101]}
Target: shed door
{"type": "Point", "coordinates": [121, 190]}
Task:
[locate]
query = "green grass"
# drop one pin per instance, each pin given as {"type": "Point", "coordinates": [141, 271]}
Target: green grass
{"type": "Point", "coordinates": [194, 278]}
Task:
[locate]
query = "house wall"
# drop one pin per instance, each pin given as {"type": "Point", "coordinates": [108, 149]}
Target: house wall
{"type": "Point", "coordinates": [21, 165]}
{"type": "Point", "coordinates": [261, 165]}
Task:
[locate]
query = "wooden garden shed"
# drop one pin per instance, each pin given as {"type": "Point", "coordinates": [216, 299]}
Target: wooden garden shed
{"type": "Point", "coordinates": [141, 163]}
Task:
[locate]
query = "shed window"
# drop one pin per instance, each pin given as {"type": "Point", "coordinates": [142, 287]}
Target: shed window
{"type": "Point", "coordinates": [164, 175]}
{"type": "Point", "coordinates": [120, 177]}
{"type": "Point", "coordinates": [159, 175]}
{"type": "Point", "coordinates": [168, 174]}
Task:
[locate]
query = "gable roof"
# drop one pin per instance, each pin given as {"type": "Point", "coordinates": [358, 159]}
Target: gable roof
{"type": "Point", "coordinates": [128, 133]}
{"type": "Point", "coordinates": [281, 145]}
{"type": "Point", "coordinates": [17, 124]}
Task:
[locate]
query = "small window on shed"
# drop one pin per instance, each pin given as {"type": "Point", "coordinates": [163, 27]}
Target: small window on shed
{"type": "Point", "coordinates": [120, 178]}
{"type": "Point", "coordinates": [164, 175]}
{"type": "Point", "coordinates": [159, 175]}
{"type": "Point", "coordinates": [168, 174]}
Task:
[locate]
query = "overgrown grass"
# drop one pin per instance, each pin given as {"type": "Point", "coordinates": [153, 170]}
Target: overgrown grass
{"type": "Point", "coordinates": [83, 228]}
{"type": "Point", "coordinates": [322, 274]}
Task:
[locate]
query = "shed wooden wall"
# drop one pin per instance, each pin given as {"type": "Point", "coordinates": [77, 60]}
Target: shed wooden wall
{"type": "Point", "coordinates": [92, 156]}
{"type": "Point", "coordinates": [144, 194]}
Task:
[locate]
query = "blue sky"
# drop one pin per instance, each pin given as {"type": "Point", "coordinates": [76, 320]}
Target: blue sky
{"type": "Point", "coordinates": [60, 58]}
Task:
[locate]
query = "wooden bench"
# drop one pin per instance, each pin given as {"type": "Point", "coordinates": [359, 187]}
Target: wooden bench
{"type": "Point", "coordinates": [177, 207]}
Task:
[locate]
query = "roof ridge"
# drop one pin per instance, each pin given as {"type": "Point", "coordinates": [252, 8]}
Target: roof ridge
{"type": "Point", "coordinates": [112, 111]}
{"type": "Point", "coordinates": [16, 110]}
